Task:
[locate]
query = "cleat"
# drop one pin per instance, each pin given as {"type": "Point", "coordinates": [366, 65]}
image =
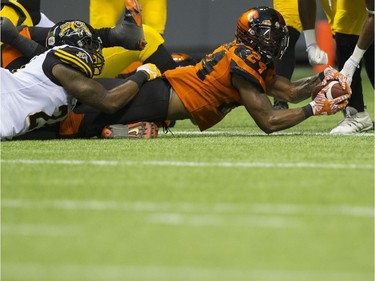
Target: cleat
{"type": "Point", "coordinates": [151, 69]}
{"type": "Point", "coordinates": [139, 130]}
{"type": "Point", "coordinates": [129, 33]}
{"type": "Point", "coordinates": [354, 122]}
{"type": "Point", "coordinates": [133, 12]}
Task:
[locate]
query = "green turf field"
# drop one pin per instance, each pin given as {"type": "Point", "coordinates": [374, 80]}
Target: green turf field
{"type": "Point", "coordinates": [228, 204]}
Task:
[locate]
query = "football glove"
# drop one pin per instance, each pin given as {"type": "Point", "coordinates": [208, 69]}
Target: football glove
{"type": "Point", "coordinates": [316, 55]}
{"type": "Point", "coordinates": [151, 69]}
{"type": "Point", "coordinates": [321, 105]}
{"type": "Point", "coordinates": [332, 74]}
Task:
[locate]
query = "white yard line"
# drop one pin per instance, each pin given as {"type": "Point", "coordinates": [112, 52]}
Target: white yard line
{"type": "Point", "coordinates": [192, 208]}
{"type": "Point", "coordinates": [193, 164]}
{"type": "Point", "coordinates": [39, 230]}
{"type": "Point", "coordinates": [97, 272]}
{"type": "Point", "coordinates": [242, 133]}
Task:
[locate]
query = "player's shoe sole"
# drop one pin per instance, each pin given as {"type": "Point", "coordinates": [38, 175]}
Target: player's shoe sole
{"type": "Point", "coordinates": [133, 14]}
{"type": "Point", "coordinates": [139, 130]}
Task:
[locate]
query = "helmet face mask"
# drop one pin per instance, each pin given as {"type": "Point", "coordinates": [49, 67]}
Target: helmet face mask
{"type": "Point", "coordinates": [79, 34]}
{"type": "Point", "coordinates": [264, 30]}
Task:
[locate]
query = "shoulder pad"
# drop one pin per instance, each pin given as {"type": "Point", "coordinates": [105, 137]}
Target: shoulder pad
{"type": "Point", "coordinates": [77, 58]}
{"type": "Point", "coordinates": [252, 66]}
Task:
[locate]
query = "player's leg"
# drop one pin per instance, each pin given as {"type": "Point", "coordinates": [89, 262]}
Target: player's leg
{"type": "Point", "coordinates": [285, 66]}
{"type": "Point", "coordinates": [356, 117]}
{"type": "Point", "coordinates": [22, 12]}
{"type": "Point", "coordinates": [369, 63]}
{"type": "Point", "coordinates": [150, 104]}
{"type": "Point", "coordinates": [105, 13]}
{"type": "Point", "coordinates": [118, 58]}
{"type": "Point", "coordinates": [154, 14]}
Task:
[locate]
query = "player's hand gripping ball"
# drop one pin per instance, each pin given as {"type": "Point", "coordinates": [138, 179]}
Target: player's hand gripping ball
{"type": "Point", "coordinates": [330, 98]}
{"type": "Point", "coordinates": [332, 90]}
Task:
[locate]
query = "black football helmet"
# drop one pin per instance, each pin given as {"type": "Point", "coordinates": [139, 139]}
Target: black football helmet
{"type": "Point", "coordinates": [79, 34]}
{"type": "Point", "coordinates": [264, 30]}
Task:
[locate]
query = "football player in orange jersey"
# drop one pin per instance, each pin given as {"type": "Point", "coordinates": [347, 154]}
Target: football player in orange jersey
{"type": "Point", "coordinates": [237, 73]}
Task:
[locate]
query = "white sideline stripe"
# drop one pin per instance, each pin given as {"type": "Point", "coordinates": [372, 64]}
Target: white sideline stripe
{"type": "Point", "coordinates": [192, 164]}
{"type": "Point", "coordinates": [99, 272]}
{"type": "Point", "coordinates": [227, 221]}
{"type": "Point", "coordinates": [191, 208]}
{"type": "Point", "coordinates": [39, 230]}
{"type": "Point", "coordinates": [241, 133]}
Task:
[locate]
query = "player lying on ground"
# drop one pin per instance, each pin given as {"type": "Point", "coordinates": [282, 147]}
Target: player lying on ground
{"type": "Point", "coordinates": [237, 73]}
{"type": "Point", "coordinates": [48, 87]}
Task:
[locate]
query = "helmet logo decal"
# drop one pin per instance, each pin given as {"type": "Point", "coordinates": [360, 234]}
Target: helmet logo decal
{"type": "Point", "coordinates": [74, 28]}
{"type": "Point", "coordinates": [253, 15]}
{"type": "Point", "coordinates": [83, 56]}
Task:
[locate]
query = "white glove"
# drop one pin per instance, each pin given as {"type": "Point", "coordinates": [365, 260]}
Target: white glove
{"type": "Point", "coordinates": [151, 69]}
{"type": "Point", "coordinates": [316, 55]}
{"type": "Point", "coordinates": [348, 70]}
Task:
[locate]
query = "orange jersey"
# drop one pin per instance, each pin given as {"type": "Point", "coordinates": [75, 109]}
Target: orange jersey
{"type": "Point", "coordinates": [206, 89]}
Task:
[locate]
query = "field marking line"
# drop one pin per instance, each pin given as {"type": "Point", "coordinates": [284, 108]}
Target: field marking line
{"type": "Point", "coordinates": [192, 208]}
{"type": "Point", "coordinates": [39, 230]}
{"type": "Point", "coordinates": [98, 272]}
{"type": "Point", "coordinates": [250, 134]}
{"type": "Point", "coordinates": [192, 164]}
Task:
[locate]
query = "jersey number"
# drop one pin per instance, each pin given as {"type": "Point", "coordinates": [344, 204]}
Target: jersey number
{"type": "Point", "coordinates": [38, 119]}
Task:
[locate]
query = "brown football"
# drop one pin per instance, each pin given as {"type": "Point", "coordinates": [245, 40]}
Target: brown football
{"type": "Point", "coordinates": [334, 90]}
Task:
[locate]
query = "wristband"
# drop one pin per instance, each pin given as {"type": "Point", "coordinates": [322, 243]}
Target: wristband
{"type": "Point", "coordinates": [370, 12]}
{"type": "Point", "coordinates": [310, 37]}
{"type": "Point", "coordinates": [308, 111]}
{"type": "Point", "coordinates": [139, 77]}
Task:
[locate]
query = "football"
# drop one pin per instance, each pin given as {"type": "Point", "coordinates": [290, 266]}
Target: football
{"type": "Point", "coordinates": [334, 90]}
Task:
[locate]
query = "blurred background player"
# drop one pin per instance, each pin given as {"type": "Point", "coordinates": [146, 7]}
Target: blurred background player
{"type": "Point", "coordinates": [105, 13]}
{"type": "Point", "coordinates": [285, 66]}
{"type": "Point", "coordinates": [365, 40]}
{"type": "Point", "coordinates": [17, 50]}
{"type": "Point", "coordinates": [346, 18]}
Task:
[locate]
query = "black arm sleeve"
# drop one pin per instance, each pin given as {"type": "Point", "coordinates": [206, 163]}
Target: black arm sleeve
{"type": "Point", "coordinates": [39, 34]}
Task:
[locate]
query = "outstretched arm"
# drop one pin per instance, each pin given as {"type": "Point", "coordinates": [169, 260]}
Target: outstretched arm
{"type": "Point", "coordinates": [269, 120]}
{"type": "Point", "coordinates": [92, 93]}
{"type": "Point", "coordinates": [307, 13]}
{"type": "Point", "coordinates": [366, 38]}
{"type": "Point", "coordinates": [260, 108]}
{"type": "Point", "coordinates": [293, 92]}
